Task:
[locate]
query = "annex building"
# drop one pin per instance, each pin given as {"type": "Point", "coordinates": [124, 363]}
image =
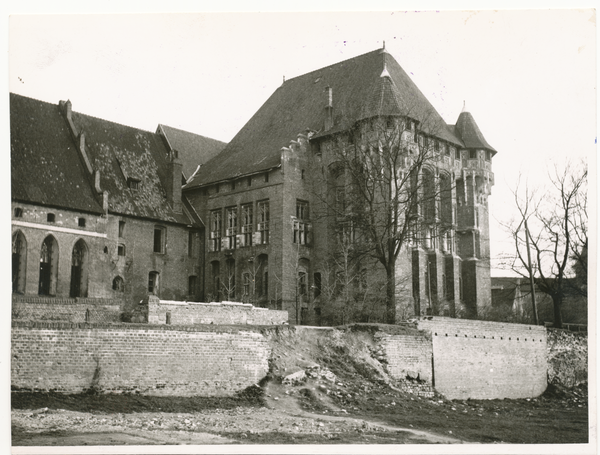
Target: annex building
{"type": "Point", "coordinates": [109, 212]}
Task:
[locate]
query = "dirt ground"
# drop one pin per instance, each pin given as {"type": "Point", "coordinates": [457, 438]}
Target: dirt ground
{"type": "Point", "coordinates": [320, 390]}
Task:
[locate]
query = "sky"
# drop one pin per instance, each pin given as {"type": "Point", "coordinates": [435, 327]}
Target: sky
{"type": "Point", "coordinates": [527, 76]}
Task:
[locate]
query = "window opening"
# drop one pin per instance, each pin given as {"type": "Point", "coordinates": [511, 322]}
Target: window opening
{"type": "Point", "coordinates": [159, 239]}
{"type": "Point", "coordinates": [19, 262]}
{"type": "Point", "coordinates": [317, 284]}
{"type": "Point", "coordinates": [121, 228]}
{"type": "Point", "coordinates": [133, 184]}
{"type": "Point", "coordinates": [50, 217]}
{"type": "Point", "coordinates": [81, 222]}
{"type": "Point", "coordinates": [215, 230]}
{"type": "Point", "coordinates": [231, 231]}
{"type": "Point", "coordinates": [18, 212]}
{"type": "Point", "coordinates": [192, 282]}
{"type": "Point", "coordinates": [153, 283]}
{"type": "Point", "coordinates": [263, 221]}
{"type": "Point", "coordinates": [121, 250]}
{"type": "Point", "coordinates": [118, 284]}
{"type": "Point", "coordinates": [247, 224]}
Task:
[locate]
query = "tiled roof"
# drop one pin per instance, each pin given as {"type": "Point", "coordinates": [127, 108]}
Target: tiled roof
{"type": "Point", "coordinates": [364, 86]}
{"type": "Point", "coordinates": [47, 168]}
{"type": "Point", "coordinates": [469, 132]}
{"type": "Point", "coordinates": [193, 149]}
{"type": "Point", "coordinates": [45, 165]}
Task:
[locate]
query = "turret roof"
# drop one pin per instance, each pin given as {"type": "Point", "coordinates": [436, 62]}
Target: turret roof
{"type": "Point", "coordinates": [469, 132]}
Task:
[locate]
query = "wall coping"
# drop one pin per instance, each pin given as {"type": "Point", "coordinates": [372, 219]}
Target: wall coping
{"type": "Point", "coordinates": [248, 306]}
{"type": "Point", "coordinates": [140, 327]}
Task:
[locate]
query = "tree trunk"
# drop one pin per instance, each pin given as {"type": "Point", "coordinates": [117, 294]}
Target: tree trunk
{"type": "Point", "coordinates": [390, 296]}
{"type": "Point", "coordinates": [557, 303]}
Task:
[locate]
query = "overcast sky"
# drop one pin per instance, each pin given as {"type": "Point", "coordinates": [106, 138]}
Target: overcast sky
{"type": "Point", "coordinates": [528, 77]}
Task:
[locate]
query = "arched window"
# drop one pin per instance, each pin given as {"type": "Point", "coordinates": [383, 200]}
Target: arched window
{"type": "Point", "coordinates": [79, 269]}
{"type": "Point", "coordinates": [118, 284]}
{"type": "Point", "coordinates": [19, 262]}
{"type": "Point", "coordinates": [48, 267]}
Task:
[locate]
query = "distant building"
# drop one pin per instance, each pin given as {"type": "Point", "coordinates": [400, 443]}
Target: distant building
{"type": "Point", "coordinates": [260, 198]}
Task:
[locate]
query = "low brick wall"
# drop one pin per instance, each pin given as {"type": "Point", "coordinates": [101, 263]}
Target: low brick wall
{"type": "Point", "coordinates": [184, 313]}
{"type": "Point", "coordinates": [34, 308]}
{"type": "Point", "coordinates": [151, 360]}
{"type": "Point", "coordinates": [487, 360]}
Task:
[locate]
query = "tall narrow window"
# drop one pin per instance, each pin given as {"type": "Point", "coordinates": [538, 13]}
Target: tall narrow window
{"type": "Point", "coordinates": [153, 283]}
{"type": "Point", "coordinates": [79, 270]}
{"type": "Point", "coordinates": [302, 283]}
{"type": "Point", "coordinates": [121, 229]}
{"type": "Point", "coordinates": [247, 225]}
{"type": "Point", "coordinates": [19, 262]}
{"type": "Point", "coordinates": [160, 234]}
{"type": "Point", "coordinates": [301, 223]}
{"type": "Point", "coordinates": [48, 266]}
{"type": "Point", "coordinates": [121, 250]}
{"type": "Point", "coordinates": [231, 231]}
{"type": "Point", "coordinates": [266, 177]}
{"type": "Point", "coordinates": [215, 230]}
{"type": "Point", "coordinates": [317, 284]}
{"type": "Point", "coordinates": [263, 221]}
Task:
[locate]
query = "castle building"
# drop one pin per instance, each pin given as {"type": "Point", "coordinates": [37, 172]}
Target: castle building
{"type": "Point", "coordinates": [97, 213]}
{"type": "Point", "coordinates": [279, 203]}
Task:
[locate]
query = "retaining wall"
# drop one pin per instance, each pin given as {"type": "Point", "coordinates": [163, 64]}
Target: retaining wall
{"type": "Point", "coordinates": [151, 360]}
{"type": "Point", "coordinates": [487, 360]}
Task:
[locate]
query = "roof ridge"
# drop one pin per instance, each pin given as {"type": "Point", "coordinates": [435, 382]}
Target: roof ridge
{"type": "Point", "coordinates": [332, 65]}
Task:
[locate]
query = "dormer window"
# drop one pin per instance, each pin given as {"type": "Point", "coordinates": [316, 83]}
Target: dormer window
{"type": "Point", "coordinates": [133, 184]}
{"type": "Point", "coordinates": [50, 218]}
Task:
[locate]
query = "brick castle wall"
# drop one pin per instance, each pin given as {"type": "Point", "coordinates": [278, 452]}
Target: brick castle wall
{"type": "Point", "coordinates": [115, 358]}
{"type": "Point", "coordinates": [32, 308]}
{"type": "Point", "coordinates": [487, 360]}
{"type": "Point", "coordinates": [212, 313]}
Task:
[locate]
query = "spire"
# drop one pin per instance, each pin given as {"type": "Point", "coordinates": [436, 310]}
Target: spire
{"type": "Point", "coordinates": [464, 109]}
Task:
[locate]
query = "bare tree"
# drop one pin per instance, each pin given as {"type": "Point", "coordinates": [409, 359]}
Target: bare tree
{"type": "Point", "coordinates": [554, 227]}
{"type": "Point", "coordinates": [388, 202]}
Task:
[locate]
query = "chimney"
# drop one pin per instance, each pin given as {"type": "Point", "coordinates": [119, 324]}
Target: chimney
{"type": "Point", "coordinates": [174, 182]}
{"type": "Point", "coordinates": [329, 109]}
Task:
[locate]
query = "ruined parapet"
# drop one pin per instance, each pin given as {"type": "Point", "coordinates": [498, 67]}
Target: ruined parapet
{"type": "Point", "coordinates": [152, 310]}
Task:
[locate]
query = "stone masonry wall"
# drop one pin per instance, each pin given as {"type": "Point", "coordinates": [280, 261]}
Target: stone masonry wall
{"type": "Point", "coordinates": [184, 313]}
{"type": "Point", "coordinates": [487, 360]}
{"type": "Point", "coordinates": [116, 358]}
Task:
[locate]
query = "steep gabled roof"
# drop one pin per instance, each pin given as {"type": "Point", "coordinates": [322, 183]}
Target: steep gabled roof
{"type": "Point", "coordinates": [122, 152]}
{"type": "Point", "coordinates": [45, 165]}
{"type": "Point", "coordinates": [365, 86]}
{"type": "Point", "coordinates": [193, 149]}
{"type": "Point", "coordinates": [469, 132]}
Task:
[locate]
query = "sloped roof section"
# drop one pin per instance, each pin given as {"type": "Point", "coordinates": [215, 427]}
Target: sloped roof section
{"type": "Point", "coordinates": [193, 149]}
{"type": "Point", "coordinates": [364, 86]}
{"type": "Point", "coordinates": [120, 152]}
{"type": "Point", "coordinates": [469, 132]}
{"type": "Point", "coordinates": [45, 165]}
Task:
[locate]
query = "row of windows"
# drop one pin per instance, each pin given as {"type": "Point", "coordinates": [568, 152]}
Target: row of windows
{"type": "Point", "coordinates": [50, 217]}
{"type": "Point", "coordinates": [240, 232]}
{"type": "Point", "coordinates": [237, 183]}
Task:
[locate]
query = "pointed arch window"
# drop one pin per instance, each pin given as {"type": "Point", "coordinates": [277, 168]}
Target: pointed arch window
{"type": "Point", "coordinates": [19, 262]}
